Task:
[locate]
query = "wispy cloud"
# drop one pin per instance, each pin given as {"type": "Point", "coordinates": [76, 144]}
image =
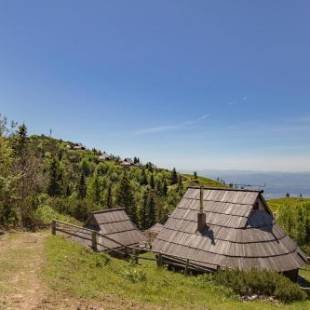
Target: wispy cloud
{"type": "Point", "coordinates": [233, 102]}
{"type": "Point", "coordinates": [165, 128]}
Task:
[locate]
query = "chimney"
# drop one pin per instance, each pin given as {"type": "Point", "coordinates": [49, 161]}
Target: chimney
{"type": "Point", "coordinates": [201, 217]}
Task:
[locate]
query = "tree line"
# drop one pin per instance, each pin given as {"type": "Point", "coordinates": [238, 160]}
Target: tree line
{"type": "Point", "coordinates": [40, 171]}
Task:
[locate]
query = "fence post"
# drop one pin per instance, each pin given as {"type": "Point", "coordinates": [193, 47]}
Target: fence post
{"type": "Point", "coordinates": [53, 227]}
{"type": "Point", "coordinates": [160, 260]}
{"type": "Point", "coordinates": [135, 256]}
{"type": "Point", "coordinates": [94, 241]}
{"type": "Point", "coordinates": [186, 266]}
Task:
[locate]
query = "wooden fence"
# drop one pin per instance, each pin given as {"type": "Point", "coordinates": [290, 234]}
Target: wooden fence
{"type": "Point", "coordinates": [91, 238]}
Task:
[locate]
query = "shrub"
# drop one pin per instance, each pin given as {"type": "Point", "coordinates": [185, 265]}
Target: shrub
{"type": "Point", "coordinates": [258, 282]}
{"type": "Point", "coordinates": [45, 214]}
{"type": "Point", "coordinates": [134, 275]}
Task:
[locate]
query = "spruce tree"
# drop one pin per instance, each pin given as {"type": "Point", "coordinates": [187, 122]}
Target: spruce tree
{"type": "Point", "coordinates": [94, 189]}
{"type": "Point", "coordinates": [174, 177]}
{"type": "Point", "coordinates": [109, 197]}
{"type": "Point", "coordinates": [54, 186]}
{"type": "Point", "coordinates": [20, 142]}
{"type": "Point", "coordinates": [143, 178]}
{"type": "Point", "coordinates": [180, 184]}
{"type": "Point", "coordinates": [125, 197]}
{"type": "Point", "coordinates": [152, 181]}
{"type": "Point", "coordinates": [143, 220]}
{"type": "Point", "coordinates": [82, 187]}
{"type": "Point", "coordinates": [151, 210]}
{"type": "Point", "coordinates": [164, 189]}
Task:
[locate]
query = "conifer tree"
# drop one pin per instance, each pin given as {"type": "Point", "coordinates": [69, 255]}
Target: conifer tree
{"type": "Point", "coordinates": [143, 216]}
{"type": "Point", "coordinates": [143, 178]}
{"type": "Point", "coordinates": [54, 186]}
{"type": "Point", "coordinates": [151, 210]}
{"type": "Point", "coordinates": [109, 197]}
{"type": "Point", "coordinates": [174, 177]}
{"type": "Point", "coordinates": [20, 142]}
{"type": "Point", "coordinates": [94, 189]}
{"type": "Point", "coordinates": [180, 184]}
{"type": "Point", "coordinates": [152, 181]}
{"type": "Point", "coordinates": [82, 187]}
{"type": "Point", "coordinates": [164, 189]}
{"type": "Point", "coordinates": [125, 197]}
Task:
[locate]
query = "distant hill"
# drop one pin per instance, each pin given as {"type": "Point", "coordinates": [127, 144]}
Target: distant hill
{"type": "Point", "coordinates": [275, 184]}
{"type": "Point", "coordinates": [42, 178]}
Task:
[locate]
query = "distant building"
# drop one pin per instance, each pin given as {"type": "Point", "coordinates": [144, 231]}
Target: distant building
{"type": "Point", "coordinates": [104, 156]}
{"type": "Point", "coordinates": [76, 146]}
{"type": "Point", "coordinates": [127, 162]}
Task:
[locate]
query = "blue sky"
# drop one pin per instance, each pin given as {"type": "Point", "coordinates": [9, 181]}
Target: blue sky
{"type": "Point", "coordinates": [191, 84]}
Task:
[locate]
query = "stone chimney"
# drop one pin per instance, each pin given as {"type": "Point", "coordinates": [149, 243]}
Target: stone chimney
{"type": "Point", "coordinates": [201, 216]}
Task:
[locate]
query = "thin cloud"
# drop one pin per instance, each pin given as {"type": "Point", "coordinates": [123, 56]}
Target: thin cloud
{"type": "Point", "coordinates": [166, 128]}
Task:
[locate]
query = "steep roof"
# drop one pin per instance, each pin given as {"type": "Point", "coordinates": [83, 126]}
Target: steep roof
{"type": "Point", "coordinates": [115, 224]}
{"type": "Point", "coordinates": [240, 232]}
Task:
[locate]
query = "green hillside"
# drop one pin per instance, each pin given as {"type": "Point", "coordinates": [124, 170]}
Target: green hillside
{"type": "Point", "coordinates": [75, 271]}
{"type": "Point", "coordinates": [42, 177]}
{"type": "Point", "coordinates": [293, 215]}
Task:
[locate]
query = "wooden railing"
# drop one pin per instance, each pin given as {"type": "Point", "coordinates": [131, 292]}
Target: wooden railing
{"type": "Point", "coordinates": [91, 238]}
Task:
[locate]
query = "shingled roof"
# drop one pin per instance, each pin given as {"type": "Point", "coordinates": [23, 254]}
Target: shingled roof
{"type": "Point", "coordinates": [116, 225]}
{"type": "Point", "coordinates": [240, 232]}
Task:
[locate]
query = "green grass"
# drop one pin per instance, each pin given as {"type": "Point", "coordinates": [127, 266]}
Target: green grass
{"type": "Point", "coordinates": [45, 214]}
{"type": "Point", "coordinates": [277, 203]}
{"type": "Point", "coordinates": [78, 272]}
{"type": "Point", "coordinates": [202, 181]}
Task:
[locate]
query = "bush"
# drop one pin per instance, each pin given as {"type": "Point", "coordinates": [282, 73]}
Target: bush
{"type": "Point", "coordinates": [258, 282]}
{"type": "Point", "coordinates": [45, 214]}
{"type": "Point", "coordinates": [134, 275]}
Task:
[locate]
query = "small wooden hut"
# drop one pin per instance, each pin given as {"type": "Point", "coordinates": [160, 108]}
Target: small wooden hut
{"type": "Point", "coordinates": [219, 228]}
{"type": "Point", "coordinates": [116, 225]}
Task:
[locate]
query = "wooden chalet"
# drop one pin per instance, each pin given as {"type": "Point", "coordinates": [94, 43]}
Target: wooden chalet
{"type": "Point", "coordinates": [219, 228]}
{"type": "Point", "coordinates": [116, 227]}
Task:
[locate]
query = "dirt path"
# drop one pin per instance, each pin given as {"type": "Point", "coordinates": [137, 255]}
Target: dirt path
{"type": "Point", "coordinates": [21, 287]}
{"type": "Point", "coordinates": [21, 261]}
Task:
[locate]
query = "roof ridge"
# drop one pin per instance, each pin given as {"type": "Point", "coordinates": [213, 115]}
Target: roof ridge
{"type": "Point", "coordinates": [226, 189]}
{"type": "Point", "coordinates": [107, 210]}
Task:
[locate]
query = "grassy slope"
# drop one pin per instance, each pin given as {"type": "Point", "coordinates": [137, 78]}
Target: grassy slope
{"type": "Point", "coordinates": [202, 181]}
{"type": "Point", "coordinates": [275, 204]}
{"type": "Point", "coordinates": [78, 272]}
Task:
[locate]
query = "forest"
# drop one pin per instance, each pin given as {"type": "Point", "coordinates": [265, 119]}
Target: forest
{"type": "Point", "coordinates": [42, 178]}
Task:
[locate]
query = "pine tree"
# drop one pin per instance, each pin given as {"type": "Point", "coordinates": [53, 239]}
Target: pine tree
{"type": "Point", "coordinates": [109, 197]}
{"type": "Point", "coordinates": [54, 186]}
{"type": "Point", "coordinates": [94, 189]}
{"type": "Point", "coordinates": [195, 175]}
{"type": "Point", "coordinates": [82, 187]}
{"type": "Point", "coordinates": [125, 197]}
{"type": "Point", "coordinates": [136, 160]}
{"type": "Point", "coordinates": [174, 177]}
{"type": "Point", "coordinates": [152, 182]}
{"type": "Point", "coordinates": [143, 178]}
{"type": "Point", "coordinates": [20, 142]}
{"type": "Point", "coordinates": [164, 189]}
{"type": "Point", "coordinates": [143, 220]}
{"type": "Point", "coordinates": [151, 210]}
{"type": "Point", "coordinates": [180, 184]}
